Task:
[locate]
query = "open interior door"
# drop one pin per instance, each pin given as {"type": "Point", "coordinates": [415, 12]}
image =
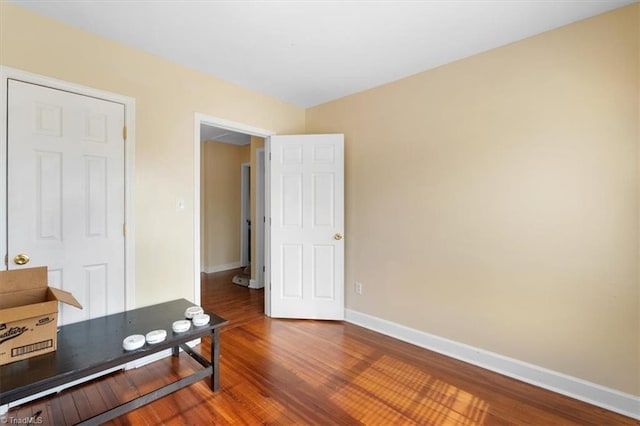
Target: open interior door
{"type": "Point", "coordinates": [305, 189]}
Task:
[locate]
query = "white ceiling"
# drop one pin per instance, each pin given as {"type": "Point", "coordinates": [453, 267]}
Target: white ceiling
{"type": "Point", "coordinates": [311, 52]}
{"type": "Point", "coordinates": [210, 133]}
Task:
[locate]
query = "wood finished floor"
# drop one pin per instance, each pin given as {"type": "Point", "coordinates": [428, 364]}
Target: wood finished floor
{"type": "Point", "coordinates": [315, 372]}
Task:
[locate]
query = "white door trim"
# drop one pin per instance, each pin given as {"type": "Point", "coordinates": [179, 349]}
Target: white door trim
{"type": "Point", "coordinates": [8, 73]}
{"type": "Point", "coordinates": [245, 213]}
{"type": "Point", "coordinates": [222, 123]}
{"type": "Point", "coordinates": [267, 227]}
{"type": "Point", "coordinates": [258, 227]}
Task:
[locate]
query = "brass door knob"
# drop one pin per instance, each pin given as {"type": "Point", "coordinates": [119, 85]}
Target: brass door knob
{"type": "Point", "coordinates": [21, 259]}
{"type": "Point", "coordinates": [338, 236]}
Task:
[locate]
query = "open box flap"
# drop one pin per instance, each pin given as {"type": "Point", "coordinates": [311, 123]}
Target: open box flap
{"type": "Point", "coordinates": [27, 311]}
{"type": "Point", "coordinates": [23, 279]}
{"type": "Point", "coordinates": [65, 297]}
{"type": "Point", "coordinates": [23, 298]}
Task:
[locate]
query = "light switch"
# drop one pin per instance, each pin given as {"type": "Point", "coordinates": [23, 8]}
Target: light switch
{"type": "Point", "coordinates": [179, 204]}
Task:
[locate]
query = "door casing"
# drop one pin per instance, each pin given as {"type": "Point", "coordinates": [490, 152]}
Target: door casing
{"type": "Point", "coordinates": [200, 118]}
{"type": "Point", "coordinates": [260, 215]}
{"type": "Point", "coordinates": [8, 73]}
{"type": "Point", "coordinates": [245, 213]}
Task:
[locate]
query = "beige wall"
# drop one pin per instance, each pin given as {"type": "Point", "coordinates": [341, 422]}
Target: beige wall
{"type": "Point", "coordinates": [221, 202]}
{"type": "Point", "coordinates": [167, 96]}
{"type": "Point", "coordinates": [494, 201]}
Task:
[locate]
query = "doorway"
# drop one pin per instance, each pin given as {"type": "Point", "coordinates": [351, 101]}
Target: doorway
{"type": "Point", "coordinates": [321, 159]}
{"type": "Point", "coordinates": [230, 132]}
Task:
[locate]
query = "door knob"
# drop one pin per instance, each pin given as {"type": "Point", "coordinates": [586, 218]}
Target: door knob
{"type": "Point", "coordinates": [21, 259]}
{"type": "Point", "coordinates": [337, 236]}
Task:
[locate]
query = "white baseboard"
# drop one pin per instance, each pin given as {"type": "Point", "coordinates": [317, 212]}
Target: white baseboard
{"type": "Point", "coordinates": [592, 393]}
{"type": "Point", "coordinates": [220, 268]}
{"type": "Point", "coordinates": [255, 284]}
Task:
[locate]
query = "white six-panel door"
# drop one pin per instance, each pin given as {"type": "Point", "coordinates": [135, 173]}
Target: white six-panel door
{"type": "Point", "coordinates": [65, 192]}
{"type": "Point", "coordinates": [306, 182]}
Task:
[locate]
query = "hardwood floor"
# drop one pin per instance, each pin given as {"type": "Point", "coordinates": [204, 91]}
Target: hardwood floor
{"type": "Point", "coordinates": [316, 372]}
{"type": "Point", "coordinates": [235, 303]}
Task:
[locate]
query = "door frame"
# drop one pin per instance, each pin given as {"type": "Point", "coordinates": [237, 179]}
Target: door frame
{"type": "Point", "coordinates": [245, 213]}
{"type": "Point", "coordinates": [259, 226]}
{"type": "Point", "coordinates": [201, 118]}
{"type": "Point", "coordinates": [8, 73]}
{"type": "Point", "coordinates": [267, 227]}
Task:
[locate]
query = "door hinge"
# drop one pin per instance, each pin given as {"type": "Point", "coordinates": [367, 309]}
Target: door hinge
{"type": "Point", "coordinates": [264, 268]}
{"type": "Point", "coordinates": [124, 229]}
{"type": "Point", "coordinates": [6, 260]}
{"type": "Point", "coordinates": [124, 133]}
{"type": "Point", "coordinates": [269, 156]}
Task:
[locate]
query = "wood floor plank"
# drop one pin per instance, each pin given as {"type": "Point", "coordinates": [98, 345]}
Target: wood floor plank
{"type": "Point", "coordinates": [316, 373]}
{"type": "Point", "coordinates": [55, 411]}
{"type": "Point", "coordinates": [68, 408]}
{"type": "Point", "coordinates": [123, 390]}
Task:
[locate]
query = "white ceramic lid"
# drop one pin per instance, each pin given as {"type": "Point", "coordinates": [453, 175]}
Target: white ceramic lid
{"type": "Point", "coordinates": [156, 336]}
{"type": "Point", "coordinates": [192, 311]}
{"type": "Point", "coordinates": [201, 319]}
{"type": "Point", "coordinates": [133, 342]}
{"type": "Point", "coordinates": [181, 326]}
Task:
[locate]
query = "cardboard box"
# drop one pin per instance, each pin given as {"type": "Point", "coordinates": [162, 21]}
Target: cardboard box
{"type": "Point", "coordinates": [29, 313]}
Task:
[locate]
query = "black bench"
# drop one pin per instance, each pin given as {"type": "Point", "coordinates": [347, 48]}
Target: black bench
{"type": "Point", "coordinates": [93, 346]}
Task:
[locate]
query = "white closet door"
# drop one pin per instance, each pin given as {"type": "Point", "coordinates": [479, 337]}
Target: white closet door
{"type": "Point", "coordinates": [65, 186]}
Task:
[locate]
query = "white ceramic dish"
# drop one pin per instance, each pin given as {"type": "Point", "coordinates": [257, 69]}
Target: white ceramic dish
{"type": "Point", "coordinates": [192, 311]}
{"type": "Point", "coordinates": [200, 320]}
{"type": "Point", "coordinates": [133, 342]}
{"type": "Point", "coordinates": [156, 336]}
{"type": "Point", "coordinates": [181, 326]}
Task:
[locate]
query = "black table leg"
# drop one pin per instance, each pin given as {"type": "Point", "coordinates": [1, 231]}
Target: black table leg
{"type": "Point", "coordinates": [175, 351]}
{"type": "Point", "coordinates": [215, 359]}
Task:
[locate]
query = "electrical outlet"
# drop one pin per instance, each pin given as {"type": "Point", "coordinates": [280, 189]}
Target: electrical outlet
{"type": "Point", "coordinates": [357, 287]}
